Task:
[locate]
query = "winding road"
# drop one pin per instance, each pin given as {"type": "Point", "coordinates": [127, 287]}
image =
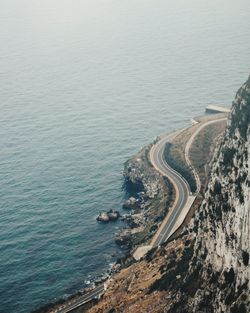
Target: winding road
{"type": "Point", "coordinates": [177, 213]}
{"type": "Point", "coordinates": [181, 186]}
{"type": "Point", "coordinates": [184, 198]}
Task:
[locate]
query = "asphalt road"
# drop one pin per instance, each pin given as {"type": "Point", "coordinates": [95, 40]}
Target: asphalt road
{"type": "Point", "coordinates": [158, 161]}
{"type": "Point", "coordinates": [180, 184]}
{"type": "Point", "coordinates": [189, 144]}
{"type": "Point", "coordinates": [95, 293]}
{"type": "Point", "coordinates": [182, 190]}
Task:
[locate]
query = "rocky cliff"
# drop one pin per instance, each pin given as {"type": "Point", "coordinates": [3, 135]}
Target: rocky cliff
{"type": "Point", "coordinates": [150, 196]}
{"type": "Point", "coordinates": [218, 270]}
{"type": "Point", "coordinates": [207, 268]}
{"type": "Point", "coordinates": [221, 250]}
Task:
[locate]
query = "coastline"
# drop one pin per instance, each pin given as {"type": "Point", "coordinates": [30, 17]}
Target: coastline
{"type": "Point", "coordinates": [148, 189]}
{"type": "Point", "coordinates": [141, 180]}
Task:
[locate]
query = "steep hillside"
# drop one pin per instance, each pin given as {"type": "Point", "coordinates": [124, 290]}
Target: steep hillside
{"type": "Point", "coordinates": [207, 268]}
{"type": "Point", "coordinates": [223, 224]}
{"type": "Point", "coordinates": [219, 272]}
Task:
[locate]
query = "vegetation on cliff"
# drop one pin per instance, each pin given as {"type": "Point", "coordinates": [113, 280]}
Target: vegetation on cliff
{"type": "Point", "coordinates": [150, 197]}
{"type": "Point", "coordinates": [206, 269]}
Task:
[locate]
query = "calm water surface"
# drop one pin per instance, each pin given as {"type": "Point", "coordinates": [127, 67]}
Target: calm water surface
{"type": "Point", "coordinates": [83, 85]}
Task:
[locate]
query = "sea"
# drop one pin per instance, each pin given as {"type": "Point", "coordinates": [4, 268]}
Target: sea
{"type": "Point", "coordinates": [84, 84]}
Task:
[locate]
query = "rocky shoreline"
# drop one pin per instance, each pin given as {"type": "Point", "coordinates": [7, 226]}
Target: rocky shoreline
{"type": "Point", "coordinates": [149, 196]}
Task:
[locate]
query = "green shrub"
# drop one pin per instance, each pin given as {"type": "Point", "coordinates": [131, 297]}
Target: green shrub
{"type": "Point", "coordinates": [245, 257]}
{"type": "Point", "coordinates": [228, 154]}
{"type": "Point", "coordinates": [217, 188]}
{"type": "Point", "coordinates": [179, 167]}
{"type": "Point", "coordinates": [229, 276]}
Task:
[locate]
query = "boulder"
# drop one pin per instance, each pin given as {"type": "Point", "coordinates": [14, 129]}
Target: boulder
{"type": "Point", "coordinates": [113, 215]}
{"type": "Point", "coordinates": [103, 217]}
{"type": "Point", "coordinates": [109, 216]}
{"type": "Point", "coordinates": [131, 204]}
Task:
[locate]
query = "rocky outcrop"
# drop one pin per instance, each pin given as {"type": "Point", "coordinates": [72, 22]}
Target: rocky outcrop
{"type": "Point", "coordinates": [206, 269]}
{"type": "Point", "coordinates": [109, 216]}
{"type": "Point", "coordinates": [132, 204]}
{"type": "Point", "coordinates": [140, 177]}
{"type": "Point", "coordinates": [222, 246]}
{"type": "Point", "coordinates": [218, 269]}
{"type": "Point", "coordinates": [149, 197]}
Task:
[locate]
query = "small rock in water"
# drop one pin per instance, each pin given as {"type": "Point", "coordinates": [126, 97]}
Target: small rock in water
{"type": "Point", "coordinates": [105, 217]}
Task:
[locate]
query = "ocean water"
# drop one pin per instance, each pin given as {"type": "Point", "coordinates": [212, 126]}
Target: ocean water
{"type": "Point", "coordinates": [84, 84]}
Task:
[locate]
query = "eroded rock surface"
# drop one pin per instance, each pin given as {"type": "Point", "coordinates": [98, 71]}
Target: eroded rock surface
{"type": "Point", "coordinates": [207, 268]}
{"type": "Point", "coordinates": [149, 198]}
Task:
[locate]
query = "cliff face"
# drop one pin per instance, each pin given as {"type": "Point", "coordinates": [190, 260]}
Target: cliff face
{"type": "Point", "coordinates": [218, 270]}
{"type": "Point", "coordinates": [150, 196]}
{"type": "Point", "coordinates": [141, 177]}
{"type": "Point", "coordinates": [207, 269]}
{"type": "Point", "coordinates": [223, 223]}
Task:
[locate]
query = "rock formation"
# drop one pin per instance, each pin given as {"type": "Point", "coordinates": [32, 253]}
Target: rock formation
{"type": "Point", "coordinates": [207, 268]}
{"type": "Point", "coordinates": [218, 270]}
{"type": "Point", "coordinates": [109, 216]}
{"type": "Point", "coordinates": [223, 223]}
{"type": "Point", "coordinates": [150, 196]}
